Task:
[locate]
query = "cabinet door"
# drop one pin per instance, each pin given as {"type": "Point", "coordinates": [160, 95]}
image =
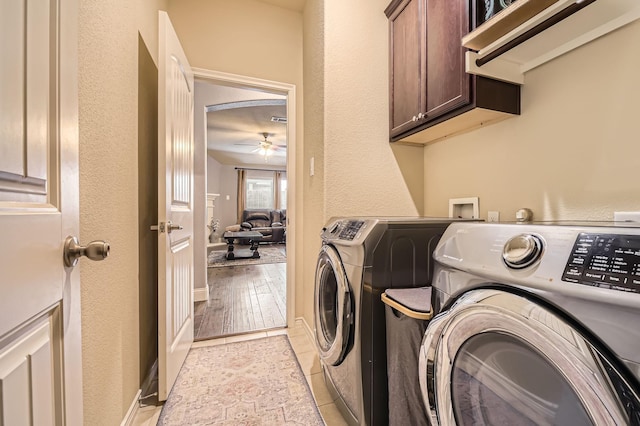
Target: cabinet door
{"type": "Point", "coordinates": [407, 64]}
{"type": "Point", "coordinates": [446, 80]}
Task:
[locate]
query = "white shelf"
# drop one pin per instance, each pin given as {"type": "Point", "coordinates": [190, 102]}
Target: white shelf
{"type": "Point", "coordinates": [589, 23]}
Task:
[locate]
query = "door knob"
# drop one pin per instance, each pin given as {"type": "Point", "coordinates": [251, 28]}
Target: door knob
{"type": "Point", "coordinates": [95, 250]}
{"type": "Point", "coordinates": [168, 227]}
{"type": "Point", "coordinates": [173, 227]}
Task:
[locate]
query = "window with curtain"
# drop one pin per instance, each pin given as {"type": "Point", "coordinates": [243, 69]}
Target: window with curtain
{"type": "Point", "coordinates": [261, 189]}
{"type": "Point", "coordinates": [260, 192]}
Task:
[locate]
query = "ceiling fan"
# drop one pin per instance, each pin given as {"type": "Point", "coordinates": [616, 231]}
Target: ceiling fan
{"type": "Point", "coordinates": [266, 147]}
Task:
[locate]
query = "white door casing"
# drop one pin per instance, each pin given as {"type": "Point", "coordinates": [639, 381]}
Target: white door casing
{"type": "Point", "coordinates": [40, 341]}
{"type": "Point", "coordinates": [175, 206]}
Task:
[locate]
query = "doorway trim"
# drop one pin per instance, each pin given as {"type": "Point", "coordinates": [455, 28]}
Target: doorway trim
{"type": "Point", "coordinates": [289, 90]}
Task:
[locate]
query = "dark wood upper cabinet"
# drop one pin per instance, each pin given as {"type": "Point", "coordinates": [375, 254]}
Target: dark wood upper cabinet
{"type": "Point", "coordinates": [447, 84]}
{"type": "Point", "coordinates": [431, 95]}
{"type": "Point", "coordinates": [407, 64]}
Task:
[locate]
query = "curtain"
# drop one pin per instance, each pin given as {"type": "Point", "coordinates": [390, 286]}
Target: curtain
{"type": "Point", "coordinates": [241, 192]}
{"type": "Point", "coordinates": [277, 189]}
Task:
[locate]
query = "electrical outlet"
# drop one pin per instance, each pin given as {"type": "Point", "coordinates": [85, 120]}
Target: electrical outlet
{"type": "Point", "coordinates": [626, 216]}
{"type": "Point", "coordinates": [493, 216]}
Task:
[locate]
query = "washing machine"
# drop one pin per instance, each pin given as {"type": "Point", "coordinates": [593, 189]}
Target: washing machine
{"type": "Point", "coordinates": [359, 259]}
{"type": "Point", "coordinates": [538, 324]}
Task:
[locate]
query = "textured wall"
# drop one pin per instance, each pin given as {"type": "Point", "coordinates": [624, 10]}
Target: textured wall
{"type": "Point", "coordinates": [108, 112]}
{"type": "Point", "coordinates": [362, 175]}
{"type": "Point", "coordinates": [572, 154]}
{"type": "Point", "coordinates": [312, 186]}
{"type": "Point", "coordinates": [224, 181]}
{"type": "Point", "coordinates": [357, 171]}
{"type": "Point", "coordinates": [245, 37]}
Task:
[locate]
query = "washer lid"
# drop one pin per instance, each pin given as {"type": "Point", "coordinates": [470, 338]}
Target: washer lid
{"type": "Point", "coordinates": [496, 356]}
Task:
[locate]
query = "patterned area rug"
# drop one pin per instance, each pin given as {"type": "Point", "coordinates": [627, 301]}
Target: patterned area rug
{"type": "Point", "coordinates": [257, 382]}
{"type": "Point", "coordinates": [268, 254]}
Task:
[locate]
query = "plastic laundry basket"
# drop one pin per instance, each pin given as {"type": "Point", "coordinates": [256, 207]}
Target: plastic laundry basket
{"type": "Point", "coordinates": [407, 314]}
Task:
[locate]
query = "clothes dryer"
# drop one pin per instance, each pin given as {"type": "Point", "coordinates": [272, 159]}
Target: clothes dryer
{"type": "Point", "coordinates": [359, 259]}
{"type": "Point", "coordinates": [538, 325]}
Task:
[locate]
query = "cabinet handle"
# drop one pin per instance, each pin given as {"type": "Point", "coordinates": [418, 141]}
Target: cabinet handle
{"type": "Point", "coordinates": [419, 117]}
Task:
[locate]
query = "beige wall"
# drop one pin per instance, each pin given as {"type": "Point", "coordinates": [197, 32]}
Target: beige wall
{"type": "Point", "coordinates": [362, 175]}
{"type": "Point", "coordinates": [312, 186]}
{"type": "Point", "coordinates": [357, 172]}
{"type": "Point", "coordinates": [108, 113]}
{"type": "Point", "coordinates": [223, 179]}
{"type": "Point", "coordinates": [244, 37]}
{"type": "Point", "coordinates": [572, 154]}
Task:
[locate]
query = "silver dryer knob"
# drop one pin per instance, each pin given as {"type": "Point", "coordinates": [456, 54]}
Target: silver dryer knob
{"type": "Point", "coordinates": [522, 251]}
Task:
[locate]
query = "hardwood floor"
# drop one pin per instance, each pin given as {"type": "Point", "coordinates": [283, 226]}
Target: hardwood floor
{"type": "Point", "coordinates": [242, 299]}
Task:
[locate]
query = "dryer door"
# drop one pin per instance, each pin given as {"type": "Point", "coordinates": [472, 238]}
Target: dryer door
{"type": "Point", "coordinates": [332, 308]}
{"type": "Point", "coordinates": [499, 358]}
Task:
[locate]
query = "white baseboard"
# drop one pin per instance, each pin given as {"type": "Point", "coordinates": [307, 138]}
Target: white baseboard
{"type": "Point", "coordinates": [307, 329]}
{"type": "Point", "coordinates": [133, 409]}
{"type": "Point", "coordinates": [201, 294]}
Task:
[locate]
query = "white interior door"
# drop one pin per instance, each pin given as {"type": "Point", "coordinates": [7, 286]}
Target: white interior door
{"type": "Point", "coordinates": [40, 347]}
{"type": "Point", "coordinates": [175, 207]}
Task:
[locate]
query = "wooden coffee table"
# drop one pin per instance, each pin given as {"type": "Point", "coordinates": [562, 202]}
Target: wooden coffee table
{"type": "Point", "coordinates": [254, 238]}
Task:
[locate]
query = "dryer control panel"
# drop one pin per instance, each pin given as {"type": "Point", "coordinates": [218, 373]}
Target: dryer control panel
{"type": "Point", "coordinates": [605, 260]}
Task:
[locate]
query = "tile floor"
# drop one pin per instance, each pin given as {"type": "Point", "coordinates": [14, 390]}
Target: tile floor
{"type": "Point", "coordinates": [307, 357]}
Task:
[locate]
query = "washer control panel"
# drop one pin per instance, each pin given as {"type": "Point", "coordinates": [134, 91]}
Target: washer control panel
{"type": "Point", "coordinates": [605, 260]}
{"type": "Point", "coordinates": [346, 230]}
{"type": "Point", "coordinates": [350, 229]}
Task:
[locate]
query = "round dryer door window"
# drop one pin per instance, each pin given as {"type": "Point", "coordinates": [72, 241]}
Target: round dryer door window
{"type": "Point", "coordinates": [500, 358]}
{"type": "Point", "coordinates": [332, 307]}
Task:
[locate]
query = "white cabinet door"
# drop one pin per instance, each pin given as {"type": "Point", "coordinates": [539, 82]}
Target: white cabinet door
{"type": "Point", "coordinates": [175, 207]}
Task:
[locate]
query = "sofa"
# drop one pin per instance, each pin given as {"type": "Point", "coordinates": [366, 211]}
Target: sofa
{"type": "Point", "coordinates": [270, 223]}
